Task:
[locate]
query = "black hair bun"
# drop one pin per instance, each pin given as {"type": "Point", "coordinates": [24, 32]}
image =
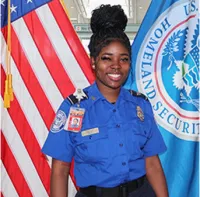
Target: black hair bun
{"type": "Point", "coordinates": [107, 16]}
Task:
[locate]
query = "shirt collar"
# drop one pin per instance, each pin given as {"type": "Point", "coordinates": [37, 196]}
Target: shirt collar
{"type": "Point", "coordinates": [125, 95]}
{"type": "Point", "coordinates": [95, 94]}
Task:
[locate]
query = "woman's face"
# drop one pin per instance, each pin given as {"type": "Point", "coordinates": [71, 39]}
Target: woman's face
{"type": "Point", "coordinates": [112, 65]}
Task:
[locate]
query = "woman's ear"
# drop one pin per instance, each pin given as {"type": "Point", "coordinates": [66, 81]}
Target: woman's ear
{"type": "Point", "coordinates": [92, 62]}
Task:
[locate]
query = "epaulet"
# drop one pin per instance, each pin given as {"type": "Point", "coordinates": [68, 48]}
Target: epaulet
{"type": "Point", "coordinates": [138, 94]}
{"type": "Point", "coordinates": [77, 96]}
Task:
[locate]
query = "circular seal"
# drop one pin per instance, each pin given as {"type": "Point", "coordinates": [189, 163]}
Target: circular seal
{"type": "Point", "coordinates": [59, 122]}
{"type": "Point", "coordinates": [168, 71]}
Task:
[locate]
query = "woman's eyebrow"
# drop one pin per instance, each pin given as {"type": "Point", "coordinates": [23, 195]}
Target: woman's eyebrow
{"type": "Point", "coordinates": [107, 54]}
{"type": "Point", "coordinates": [124, 54]}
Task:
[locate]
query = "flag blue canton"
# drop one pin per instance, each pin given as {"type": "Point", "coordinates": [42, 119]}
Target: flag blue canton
{"type": "Point", "coordinates": [18, 9]}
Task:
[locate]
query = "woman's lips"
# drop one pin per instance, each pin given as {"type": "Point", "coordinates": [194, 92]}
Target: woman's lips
{"type": "Point", "coordinates": [115, 77]}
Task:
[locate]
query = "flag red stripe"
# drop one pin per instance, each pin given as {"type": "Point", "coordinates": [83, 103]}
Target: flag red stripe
{"type": "Point", "coordinates": [72, 174]}
{"type": "Point", "coordinates": [72, 39]}
{"type": "Point", "coordinates": [29, 140]}
{"type": "Point", "coordinates": [48, 54]}
{"type": "Point", "coordinates": [31, 82]}
{"type": "Point", "coordinates": [13, 169]}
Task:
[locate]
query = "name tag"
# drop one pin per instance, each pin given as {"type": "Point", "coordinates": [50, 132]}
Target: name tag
{"type": "Point", "coordinates": [90, 132]}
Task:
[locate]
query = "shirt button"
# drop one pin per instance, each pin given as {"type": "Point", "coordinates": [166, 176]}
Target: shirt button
{"type": "Point", "coordinates": [120, 145]}
{"type": "Point", "coordinates": [114, 110]}
{"type": "Point", "coordinates": [123, 163]}
{"type": "Point", "coordinates": [118, 126]}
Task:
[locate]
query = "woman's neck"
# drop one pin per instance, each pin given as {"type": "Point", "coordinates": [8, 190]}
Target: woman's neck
{"type": "Point", "coordinates": [109, 93]}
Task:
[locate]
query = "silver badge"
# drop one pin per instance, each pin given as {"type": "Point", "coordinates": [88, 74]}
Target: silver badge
{"type": "Point", "coordinates": [79, 94]}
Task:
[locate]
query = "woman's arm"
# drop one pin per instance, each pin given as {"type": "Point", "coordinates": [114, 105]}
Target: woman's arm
{"type": "Point", "coordinates": [155, 176]}
{"type": "Point", "coordinates": [59, 178]}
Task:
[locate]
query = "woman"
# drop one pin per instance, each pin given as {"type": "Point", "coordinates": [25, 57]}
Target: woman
{"type": "Point", "coordinates": [116, 145]}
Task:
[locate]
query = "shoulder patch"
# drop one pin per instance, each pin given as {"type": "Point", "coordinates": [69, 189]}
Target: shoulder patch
{"type": "Point", "coordinates": [59, 122]}
{"type": "Point", "coordinates": [76, 96]}
{"type": "Point", "coordinates": [138, 94]}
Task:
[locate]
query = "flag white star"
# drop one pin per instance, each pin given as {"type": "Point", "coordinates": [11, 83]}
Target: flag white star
{"type": "Point", "coordinates": [13, 8]}
{"type": "Point", "coordinates": [2, 2]}
{"type": "Point", "coordinates": [29, 1]}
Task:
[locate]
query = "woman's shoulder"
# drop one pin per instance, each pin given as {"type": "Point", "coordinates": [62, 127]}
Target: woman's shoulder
{"type": "Point", "coordinates": [135, 95]}
{"type": "Point", "coordinates": [138, 94]}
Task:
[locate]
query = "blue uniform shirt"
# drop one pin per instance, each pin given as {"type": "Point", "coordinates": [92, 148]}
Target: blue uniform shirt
{"type": "Point", "coordinates": [114, 155]}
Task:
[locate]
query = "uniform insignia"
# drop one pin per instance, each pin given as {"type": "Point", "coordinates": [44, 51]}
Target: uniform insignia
{"type": "Point", "coordinates": [77, 96]}
{"type": "Point", "coordinates": [138, 94]}
{"type": "Point", "coordinates": [140, 113]}
{"type": "Point", "coordinates": [59, 122]}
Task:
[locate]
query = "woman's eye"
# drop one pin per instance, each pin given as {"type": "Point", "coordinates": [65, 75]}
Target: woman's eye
{"type": "Point", "coordinates": [105, 58]}
{"type": "Point", "coordinates": [125, 59]}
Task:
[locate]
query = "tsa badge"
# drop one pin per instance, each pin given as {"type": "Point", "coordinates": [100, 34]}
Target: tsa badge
{"type": "Point", "coordinates": [140, 113]}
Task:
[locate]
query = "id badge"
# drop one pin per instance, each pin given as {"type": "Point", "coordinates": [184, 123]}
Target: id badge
{"type": "Point", "coordinates": [75, 119]}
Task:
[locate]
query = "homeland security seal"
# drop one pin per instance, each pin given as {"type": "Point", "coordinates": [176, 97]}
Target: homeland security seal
{"type": "Point", "coordinates": [59, 122]}
{"type": "Point", "coordinates": [168, 69]}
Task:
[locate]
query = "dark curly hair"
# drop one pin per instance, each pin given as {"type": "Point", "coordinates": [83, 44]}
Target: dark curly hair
{"type": "Point", "coordinates": [108, 24]}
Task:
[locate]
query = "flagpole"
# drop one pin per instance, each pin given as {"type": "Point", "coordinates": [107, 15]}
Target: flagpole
{"type": "Point", "coordinates": [10, 89]}
{"type": "Point", "coordinates": [8, 94]}
{"type": "Point", "coordinates": [64, 7]}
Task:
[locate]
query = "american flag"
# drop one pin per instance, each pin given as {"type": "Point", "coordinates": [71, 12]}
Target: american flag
{"type": "Point", "coordinates": [48, 62]}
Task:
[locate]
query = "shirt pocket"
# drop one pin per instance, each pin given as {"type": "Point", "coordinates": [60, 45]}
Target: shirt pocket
{"type": "Point", "coordinates": [137, 136]}
{"type": "Point", "coordinates": [92, 148]}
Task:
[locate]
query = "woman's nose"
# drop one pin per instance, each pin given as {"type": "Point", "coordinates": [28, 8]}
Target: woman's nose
{"type": "Point", "coordinates": [116, 64]}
